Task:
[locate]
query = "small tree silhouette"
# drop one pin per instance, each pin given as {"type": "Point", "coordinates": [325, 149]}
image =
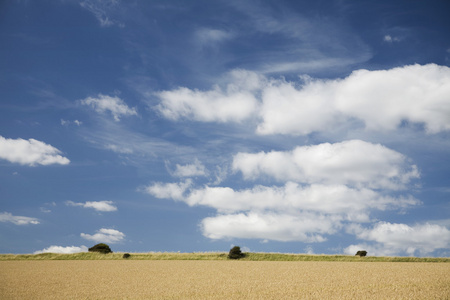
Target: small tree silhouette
{"type": "Point", "coordinates": [361, 253]}
{"type": "Point", "coordinates": [235, 253]}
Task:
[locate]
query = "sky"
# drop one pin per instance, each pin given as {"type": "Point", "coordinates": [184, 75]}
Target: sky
{"type": "Point", "coordinates": [278, 126]}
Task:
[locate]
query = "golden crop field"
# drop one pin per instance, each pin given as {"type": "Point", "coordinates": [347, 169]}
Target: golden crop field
{"type": "Point", "coordinates": [176, 279]}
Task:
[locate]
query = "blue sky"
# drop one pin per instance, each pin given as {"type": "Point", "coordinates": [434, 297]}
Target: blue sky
{"type": "Point", "coordinates": [278, 126]}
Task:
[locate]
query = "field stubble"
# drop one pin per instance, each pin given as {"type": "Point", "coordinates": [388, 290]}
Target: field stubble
{"type": "Point", "coordinates": [156, 279]}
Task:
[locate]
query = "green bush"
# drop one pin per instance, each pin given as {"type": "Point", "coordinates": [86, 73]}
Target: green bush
{"type": "Point", "coordinates": [235, 253]}
{"type": "Point", "coordinates": [102, 248]}
{"type": "Point", "coordinates": [126, 255]}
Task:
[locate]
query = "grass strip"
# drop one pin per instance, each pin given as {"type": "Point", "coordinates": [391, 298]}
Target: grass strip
{"type": "Point", "coordinates": [216, 256]}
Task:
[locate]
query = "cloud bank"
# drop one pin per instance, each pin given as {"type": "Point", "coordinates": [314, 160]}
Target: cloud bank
{"type": "Point", "coordinates": [326, 188]}
{"type": "Point", "coordinates": [30, 152]}
{"type": "Point", "coordinates": [380, 100]}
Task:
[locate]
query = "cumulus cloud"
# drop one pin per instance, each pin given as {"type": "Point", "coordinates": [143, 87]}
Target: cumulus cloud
{"type": "Point", "coordinates": [285, 213]}
{"type": "Point", "coordinates": [105, 235]}
{"type": "Point", "coordinates": [17, 220]}
{"type": "Point", "coordinates": [355, 163]}
{"type": "Point", "coordinates": [392, 238]}
{"type": "Point", "coordinates": [380, 100]}
{"type": "Point", "coordinates": [292, 197]}
{"type": "Point", "coordinates": [63, 250]}
{"type": "Point", "coordinates": [304, 227]}
{"type": "Point", "coordinates": [116, 106]}
{"type": "Point", "coordinates": [333, 183]}
{"type": "Point", "coordinates": [234, 103]}
{"type": "Point", "coordinates": [190, 170]}
{"type": "Point", "coordinates": [30, 152]}
{"type": "Point", "coordinates": [173, 191]}
{"type": "Point", "coordinates": [97, 205]}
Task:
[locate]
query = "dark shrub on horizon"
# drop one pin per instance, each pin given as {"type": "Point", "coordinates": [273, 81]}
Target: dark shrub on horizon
{"type": "Point", "coordinates": [126, 255]}
{"type": "Point", "coordinates": [235, 253]}
{"type": "Point", "coordinates": [102, 248]}
{"type": "Point", "coordinates": [361, 253]}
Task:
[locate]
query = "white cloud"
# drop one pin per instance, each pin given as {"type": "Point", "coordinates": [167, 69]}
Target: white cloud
{"type": "Point", "coordinates": [352, 249]}
{"type": "Point", "coordinates": [235, 103]}
{"type": "Point", "coordinates": [114, 105]}
{"type": "Point", "coordinates": [288, 109]}
{"type": "Point", "coordinates": [382, 100]}
{"type": "Point", "coordinates": [190, 170]}
{"type": "Point", "coordinates": [17, 220]}
{"type": "Point", "coordinates": [305, 227]}
{"type": "Point", "coordinates": [331, 182]}
{"type": "Point", "coordinates": [63, 250]}
{"type": "Point", "coordinates": [268, 212]}
{"type": "Point", "coordinates": [173, 191]}
{"type": "Point", "coordinates": [355, 163]}
{"type": "Point", "coordinates": [97, 205]}
{"type": "Point", "coordinates": [30, 152]}
{"type": "Point", "coordinates": [393, 238]}
{"type": "Point", "coordinates": [379, 100]}
{"type": "Point", "coordinates": [332, 199]}
{"type": "Point", "coordinates": [105, 235]}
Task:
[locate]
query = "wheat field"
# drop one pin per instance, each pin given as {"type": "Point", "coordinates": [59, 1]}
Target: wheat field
{"type": "Point", "coordinates": [159, 279]}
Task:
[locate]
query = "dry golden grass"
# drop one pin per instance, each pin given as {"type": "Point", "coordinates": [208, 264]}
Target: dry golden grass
{"type": "Point", "coordinates": [171, 279]}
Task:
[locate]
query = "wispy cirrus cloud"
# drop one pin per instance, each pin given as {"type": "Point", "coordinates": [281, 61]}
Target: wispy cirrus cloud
{"type": "Point", "coordinates": [17, 220]}
{"type": "Point", "coordinates": [103, 11]}
{"type": "Point", "coordinates": [209, 37]}
{"type": "Point", "coordinates": [30, 152]}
